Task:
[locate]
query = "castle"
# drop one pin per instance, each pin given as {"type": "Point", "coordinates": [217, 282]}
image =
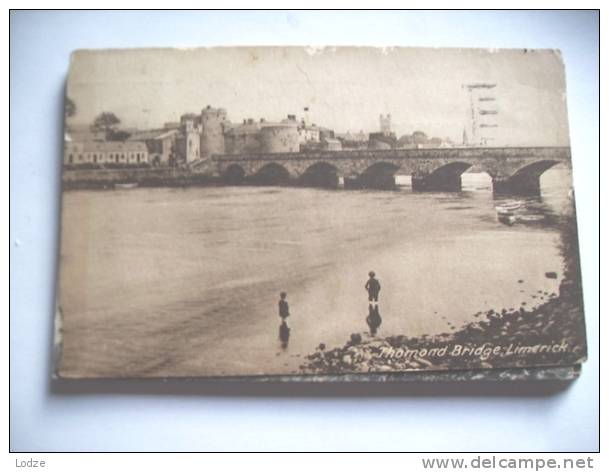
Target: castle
{"type": "Point", "coordinates": [199, 136]}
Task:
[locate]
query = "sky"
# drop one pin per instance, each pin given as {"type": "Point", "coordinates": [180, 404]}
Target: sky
{"type": "Point", "coordinates": [345, 88]}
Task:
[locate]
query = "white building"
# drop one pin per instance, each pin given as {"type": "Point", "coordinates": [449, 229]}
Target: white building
{"type": "Point", "coordinates": [105, 152]}
{"type": "Point", "coordinates": [308, 133]}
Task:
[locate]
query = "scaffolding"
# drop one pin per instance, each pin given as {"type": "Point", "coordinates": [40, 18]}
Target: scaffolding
{"type": "Point", "coordinates": [482, 113]}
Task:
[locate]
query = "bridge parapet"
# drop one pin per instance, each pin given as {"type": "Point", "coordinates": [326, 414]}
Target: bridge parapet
{"type": "Point", "coordinates": [561, 153]}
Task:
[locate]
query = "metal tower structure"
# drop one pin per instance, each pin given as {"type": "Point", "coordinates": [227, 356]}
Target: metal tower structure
{"type": "Point", "coordinates": [482, 112]}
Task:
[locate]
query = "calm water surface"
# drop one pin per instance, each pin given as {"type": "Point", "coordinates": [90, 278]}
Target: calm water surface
{"type": "Point", "coordinates": [185, 282]}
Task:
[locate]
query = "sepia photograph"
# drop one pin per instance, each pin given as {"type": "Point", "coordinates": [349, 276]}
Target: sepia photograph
{"type": "Point", "coordinates": [318, 213]}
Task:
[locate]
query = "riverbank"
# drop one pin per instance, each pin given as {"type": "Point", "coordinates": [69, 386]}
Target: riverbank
{"type": "Point", "coordinates": [552, 333]}
{"type": "Point", "coordinates": [93, 179]}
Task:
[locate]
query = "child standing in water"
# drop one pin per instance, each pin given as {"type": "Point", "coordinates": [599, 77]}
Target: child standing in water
{"type": "Point", "coordinates": [284, 312]}
{"type": "Point", "coordinates": [284, 308]}
{"type": "Point", "coordinates": [374, 287]}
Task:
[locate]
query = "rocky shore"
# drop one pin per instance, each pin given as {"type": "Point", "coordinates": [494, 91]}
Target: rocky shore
{"type": "Point", "coordinates": [549, 334]}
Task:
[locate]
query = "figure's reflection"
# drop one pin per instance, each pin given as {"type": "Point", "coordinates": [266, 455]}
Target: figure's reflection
{"type": "Point", "coordinates": [284, 312]}
{"type": "Point", "coordinates": [284, 334]}
{"type": "Point", "coordinates": [373, 319]}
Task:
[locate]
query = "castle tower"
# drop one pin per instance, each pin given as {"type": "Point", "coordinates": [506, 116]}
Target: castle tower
{"type": "Point", "coordinates": [281, 137]}
{"type": "Point", "coordinates": [385, 124]}
{"type": "Point", "coordinates": [190, 140]}
{"type": "Point", "coordinates": [187, 122]}
{"type": "Point", "coordinates": [212, 131]}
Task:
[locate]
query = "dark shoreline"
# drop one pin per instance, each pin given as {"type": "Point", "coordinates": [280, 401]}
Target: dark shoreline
{"type": "Point", "coordinates": [513, 334]}
{"type": "Point", "coordinates": [96, 179]}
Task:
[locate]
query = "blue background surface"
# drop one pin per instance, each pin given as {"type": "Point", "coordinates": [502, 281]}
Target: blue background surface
{"type": "Point", "coordinates": [193, 416]}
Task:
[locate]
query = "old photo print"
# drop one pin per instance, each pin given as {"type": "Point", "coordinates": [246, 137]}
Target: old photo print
{"type": "Point", "coordinates": [298, 211]}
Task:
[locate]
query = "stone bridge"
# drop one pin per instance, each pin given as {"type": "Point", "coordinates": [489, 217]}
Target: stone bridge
{"type": "Point", "coordinates": [514, 170]}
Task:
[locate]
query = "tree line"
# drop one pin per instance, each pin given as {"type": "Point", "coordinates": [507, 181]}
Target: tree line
{"type": "Point", "coordinates": [106, 123]}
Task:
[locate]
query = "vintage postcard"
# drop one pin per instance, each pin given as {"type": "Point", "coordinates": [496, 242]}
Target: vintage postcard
{"type": "Point", "coordinates": [317, 213]}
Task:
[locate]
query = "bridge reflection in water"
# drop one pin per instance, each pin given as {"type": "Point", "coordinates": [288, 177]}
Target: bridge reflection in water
{"type": "Point", "coordinates": [513, 170]}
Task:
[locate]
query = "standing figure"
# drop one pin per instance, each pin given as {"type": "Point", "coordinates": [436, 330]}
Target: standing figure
{"type": "Point", "coordinates": [284, 312]}
{"type": "Point", "coordinates": [284, 308]}
{"type": "Point", "coordinates": [373, 287]}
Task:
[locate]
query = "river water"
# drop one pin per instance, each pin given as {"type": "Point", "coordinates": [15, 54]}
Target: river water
{"type": "Point", "coordinates": [185, 282]}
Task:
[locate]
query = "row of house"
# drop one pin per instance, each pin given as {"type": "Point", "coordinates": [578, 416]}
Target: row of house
{"type": "Point", "coordinates": [162, 144]}
{"type": "Point", "coordinates": [105, 152]}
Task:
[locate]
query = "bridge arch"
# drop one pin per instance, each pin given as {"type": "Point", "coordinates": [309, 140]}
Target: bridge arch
{"type": "Point", "coordinates": [380, 175]}
{"type": "Point", "coordinates": [271, 174]}
{"type": "Point", "coordinates": [320, 174]}
{"type": "Point", "coordinates": [525, 180]}
{"type": "Point", "coordinates": [233, 174]}
{"type": "Point", "coordinates": [534, 169]}
{"type": "Point", "coordinates": [444, 178]}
